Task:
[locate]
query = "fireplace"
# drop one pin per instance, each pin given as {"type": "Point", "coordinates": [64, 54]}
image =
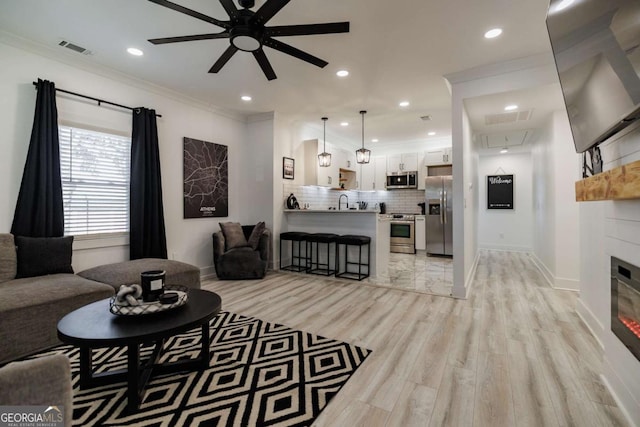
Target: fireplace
{"type": "Point", "coordinates": [625, 304]}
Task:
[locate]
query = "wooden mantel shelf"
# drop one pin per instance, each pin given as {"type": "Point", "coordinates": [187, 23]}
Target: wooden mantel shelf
{"type": "Point", "coordinates": [621, 183]}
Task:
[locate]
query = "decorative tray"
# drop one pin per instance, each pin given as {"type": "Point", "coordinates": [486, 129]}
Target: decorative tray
{"type": "Point", "coordinates": [149, 307]}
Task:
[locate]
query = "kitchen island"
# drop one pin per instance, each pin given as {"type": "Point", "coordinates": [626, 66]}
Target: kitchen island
{"type": "Point", "coordinates": [348, 221]}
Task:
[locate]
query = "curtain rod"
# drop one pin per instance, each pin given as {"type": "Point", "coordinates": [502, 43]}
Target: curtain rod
{"type": "Point", "coordinates": [98, 100]}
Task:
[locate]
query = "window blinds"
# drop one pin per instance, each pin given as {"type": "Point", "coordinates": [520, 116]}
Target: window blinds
{"type": "Point", "coordinates": [95, 181]}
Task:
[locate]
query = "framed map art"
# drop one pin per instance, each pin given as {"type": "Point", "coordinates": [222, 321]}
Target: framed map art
{"type": "Point", "coordinates": [206, 179]}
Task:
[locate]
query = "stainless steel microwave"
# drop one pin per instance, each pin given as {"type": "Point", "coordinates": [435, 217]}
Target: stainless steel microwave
{"type": "Point", "coordinates": [402, 180]}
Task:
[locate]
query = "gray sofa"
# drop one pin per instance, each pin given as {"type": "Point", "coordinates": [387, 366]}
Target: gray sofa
{"type": "Point", "coordinates": [45, 381]}
{"type": "Point", "coordinates": [31, 307]}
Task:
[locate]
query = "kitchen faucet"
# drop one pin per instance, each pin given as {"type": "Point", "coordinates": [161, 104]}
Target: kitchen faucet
{"type": "Point", "coordinates": [340, 201]}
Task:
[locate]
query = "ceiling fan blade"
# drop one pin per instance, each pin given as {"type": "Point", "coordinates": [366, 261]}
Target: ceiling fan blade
{"type": "Point", "coordinates": [230, 8]}
{"type": "Point", "coordinates": [222, 35]}
{"type": "Point", "coordinates": [297, 53]}
{"type": "Point", "coordinates": [224, 58]}
{"type": "Point", "coordinates": [268, 10]}
{"type": "Point", "coordinates": [192, 13]}
{"type": "Point", "coordinates": [265, 64]}
{"type": "Point", "coordinates": [303, 30]}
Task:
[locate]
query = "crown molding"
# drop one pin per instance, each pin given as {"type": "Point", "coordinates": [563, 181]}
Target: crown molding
{"type": "Point", "coordinates": [83, 63]}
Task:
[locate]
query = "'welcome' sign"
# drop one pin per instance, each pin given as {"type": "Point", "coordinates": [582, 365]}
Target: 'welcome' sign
{"type": "Point", "coordinates": [500, 191]}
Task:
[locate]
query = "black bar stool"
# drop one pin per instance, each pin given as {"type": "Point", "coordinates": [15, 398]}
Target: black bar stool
{"type": "Point", "coordinates": [315, 266]}
{"type": "Point", "coordinates": [353, 240]}
{"type": "Point", "coordinates": [298, 262]}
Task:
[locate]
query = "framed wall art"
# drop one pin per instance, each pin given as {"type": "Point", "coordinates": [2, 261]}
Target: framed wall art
{"type": "Point", "coordinates": [206, 179]}
{"type": "Point", "coordinates": [288, 167]}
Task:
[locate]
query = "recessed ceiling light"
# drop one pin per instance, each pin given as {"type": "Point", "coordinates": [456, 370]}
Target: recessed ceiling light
{"type": "Point", "coordinates": [135, 52]}
{"type": "Point", "coordinates": [504, 150]}
{"type": "Point", "coordinates": [563, 5]}
{"type": "Point", "coordinates": [404, 104]}
{"type": "Point", "coordinates": [375, 140]}
{"type": "Point", "coordinates": [431, 133]}
{"type": "Point", "coordinates": [342, 73]}
{"type": "Point", "coordinates": [493, 33]}
{"type": "Point", "coordinates": [344, 124]}
{"type": "Point", "coordinates": [246, 98]}
{"type": "Point", "coordinates": [511, 107]}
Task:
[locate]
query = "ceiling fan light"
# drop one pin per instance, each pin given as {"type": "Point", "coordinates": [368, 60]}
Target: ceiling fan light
{"type": "Point", "coordinates": [246, 43]}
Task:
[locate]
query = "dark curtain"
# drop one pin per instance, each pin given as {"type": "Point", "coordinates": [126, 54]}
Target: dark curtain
{"type": "Point", "coordinates": [39, 210]}
{"type": "Point", "coordinates": [147, 238]}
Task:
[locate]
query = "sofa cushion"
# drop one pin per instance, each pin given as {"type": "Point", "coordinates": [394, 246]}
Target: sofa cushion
{"type": "Point", "coordinates": [8, 260]}
{"type": "Point", "coordinates": [30, 309]}
{"type": "Point", "coordinates": [128, 272]}
{"type": "Point", "coordinates": [256, 233]}
{"type": "Point", "coordinates": [233, 235]}
{"type": "Point", "coordinates": [39, 256]}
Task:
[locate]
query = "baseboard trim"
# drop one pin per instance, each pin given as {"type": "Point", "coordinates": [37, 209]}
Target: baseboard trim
{"type": "Point", "coordinates": [461, 293]}
{"type": "Point", "coordinates": [506, 248]}
{"type": "Point", "coordinates": [208, 272]}
{"type": "Point", "coordinates": [554, 282]}
{"type": "Point", "coordinates": [590, 321]}
{"type": "Point", "coordinates": [613, 382]}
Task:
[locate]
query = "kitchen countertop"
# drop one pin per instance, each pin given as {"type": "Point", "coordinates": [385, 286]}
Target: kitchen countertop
{"type": "Point", "coordinates": [350, 211]}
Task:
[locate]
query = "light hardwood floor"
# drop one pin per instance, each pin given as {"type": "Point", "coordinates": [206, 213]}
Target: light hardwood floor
{"type": "Point", "coordinates": [513, 354]}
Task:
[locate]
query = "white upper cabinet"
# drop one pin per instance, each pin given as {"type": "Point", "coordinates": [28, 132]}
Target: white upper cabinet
{"type": "Point", "coordinates": [313, 173]}
{"type": "Point", "coordinates": [438, 156]}
{"type": "Point", "coordinates": [399, 163]}
{"type": "Point", "coordinates": [373, 174]}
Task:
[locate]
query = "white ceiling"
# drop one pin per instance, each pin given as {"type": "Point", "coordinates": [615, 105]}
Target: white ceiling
{"type": "Point", "coordinates": [396, 50]}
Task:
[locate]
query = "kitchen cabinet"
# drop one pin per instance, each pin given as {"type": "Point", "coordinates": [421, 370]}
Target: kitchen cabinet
{"type": "Point", "coordinates": [421, 233]}
{"type": "Point", "coordinates": [373, 175]}
{"type": "Point", "coordinates": [438, 156]}
{"type": "Point", "coordinates": [422, 172]}
{"type": "Point", "coordinates": [313, 173]}
{"type": "Point", "coordinates": [398, 163]}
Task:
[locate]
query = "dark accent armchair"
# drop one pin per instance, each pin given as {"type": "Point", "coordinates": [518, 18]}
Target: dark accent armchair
{"type": "Point", "coordinates": [241, 263]}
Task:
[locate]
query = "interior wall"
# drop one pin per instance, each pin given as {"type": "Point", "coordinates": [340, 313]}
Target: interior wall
{"type": "Point", "coordinates": [187, 240]}
{"type": "Point", "coordinates": [611, 228]}
{"type": "Point", "coordinates": [471, 201]}
{"type": "Point", "coordinates": [556, 213]}
{"type": "Point", "coordinates": [507, 229]}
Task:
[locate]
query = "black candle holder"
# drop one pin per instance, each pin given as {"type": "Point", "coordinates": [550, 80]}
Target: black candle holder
{"type": "Point", "coordinates": [152, 283]}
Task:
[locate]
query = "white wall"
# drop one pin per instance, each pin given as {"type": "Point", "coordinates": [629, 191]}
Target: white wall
{"type": "Point", "coordinates": [556, 213]}
{"type": "Point", "coordinates": [187, 240]}
{"type": "Point", "coordinates": [506, 229]}
{"type": "Point", "coordinates": [611, 228]}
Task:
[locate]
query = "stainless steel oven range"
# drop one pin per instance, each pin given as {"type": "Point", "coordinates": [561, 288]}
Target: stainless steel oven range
{"type": "Point", "coordinates": [403, 238]}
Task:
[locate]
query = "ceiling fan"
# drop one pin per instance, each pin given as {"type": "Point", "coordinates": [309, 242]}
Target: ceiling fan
{"type": "Point", "coordinates": [247, 31]}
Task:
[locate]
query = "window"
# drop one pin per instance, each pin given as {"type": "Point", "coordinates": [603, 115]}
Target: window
{"type": "Point", "coordinates": [95, 181]}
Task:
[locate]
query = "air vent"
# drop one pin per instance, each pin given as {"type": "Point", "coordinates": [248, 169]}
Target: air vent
{"type": "Point", "coordinates": [507, 139]}
{"type": "Point", "coordinates": [426, 118]}
{"type": "Point", "coordinates": [511, 117]}
{"type": "Point", "coordinates": [74, 47]}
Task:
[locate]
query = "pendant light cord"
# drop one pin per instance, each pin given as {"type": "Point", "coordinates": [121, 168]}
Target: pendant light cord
{"type": "Point", "coordinates": [324, 134]}
{"type": "Point", "coordinates": [362, 113]}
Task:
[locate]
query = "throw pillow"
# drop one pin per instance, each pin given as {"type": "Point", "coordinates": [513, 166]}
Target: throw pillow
{"type": "Point", "coordinates": [256, 233]}
{"type": "Point", "coordinates": [38, 256]}
{"type": "Point", "coordinates": [233, 235]}
{"type": "Point", "coordinates": [8, 263]}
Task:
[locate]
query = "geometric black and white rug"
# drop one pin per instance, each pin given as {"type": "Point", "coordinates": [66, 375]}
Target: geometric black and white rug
{"type": "Point", "coordinates": [260, 374]}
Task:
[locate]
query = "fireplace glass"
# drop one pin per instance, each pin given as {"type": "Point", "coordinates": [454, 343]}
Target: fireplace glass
{"type": "Point", "coordinates": [625, 304]}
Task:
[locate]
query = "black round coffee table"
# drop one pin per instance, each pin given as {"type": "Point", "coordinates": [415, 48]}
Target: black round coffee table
{"type": "Point", "coordinates": [93, 326]}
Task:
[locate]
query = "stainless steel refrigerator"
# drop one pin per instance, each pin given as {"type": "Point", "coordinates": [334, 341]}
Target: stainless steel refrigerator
{"type": "Point", "coordinates": [439, 216]}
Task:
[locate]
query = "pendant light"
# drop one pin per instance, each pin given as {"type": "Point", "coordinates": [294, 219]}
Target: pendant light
{"type": "Point", "coordinates": [363, 155]}
{"type": "Point", "coordinates": [324, 159]}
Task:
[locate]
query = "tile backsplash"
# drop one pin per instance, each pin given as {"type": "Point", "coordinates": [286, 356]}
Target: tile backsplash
{"type": "Point", "coordinates": [397, 201]}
